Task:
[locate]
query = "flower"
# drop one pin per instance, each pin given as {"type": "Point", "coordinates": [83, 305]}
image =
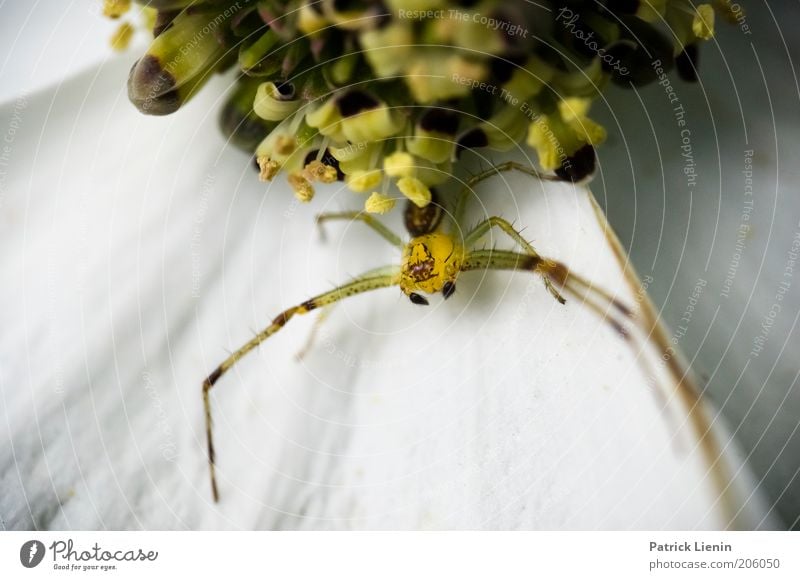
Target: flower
{"type": "Point", "coordinates": [422, 79]}
{"type": "Point", "coordinates": [134, 251]}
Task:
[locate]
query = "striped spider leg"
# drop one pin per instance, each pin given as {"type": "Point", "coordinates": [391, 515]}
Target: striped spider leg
{"type": "Point", "coordinates": [431, 262]}
{"type": "Point", "coordinates": [367, 282]}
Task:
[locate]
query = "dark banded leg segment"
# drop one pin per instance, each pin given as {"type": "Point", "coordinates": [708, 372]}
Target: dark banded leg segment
{"type": "Point", "coordinates": [597, 299]}
{"type": "Point", "coordinates": [366, 283]}
{"type": "Point", "coordinates": [497, 222]}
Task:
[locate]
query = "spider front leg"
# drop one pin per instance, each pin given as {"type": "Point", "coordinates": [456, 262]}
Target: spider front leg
{"type": "Point", "coordinates": [368, 220]}
{"type": "Point", "coordinates": [374, 280]}
{"type": "Point", "coordinates": [463, 195]}
{"type": "Point", "coordinates": [557, 274]}
{"type": "Point", "coordinates": [482, 228]}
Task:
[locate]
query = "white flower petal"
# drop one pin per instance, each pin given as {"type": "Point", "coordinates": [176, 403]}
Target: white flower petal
{"type": "Point", "coordinates": [681, 234]}
{"type": "Point", "coordinates": [138, 248]}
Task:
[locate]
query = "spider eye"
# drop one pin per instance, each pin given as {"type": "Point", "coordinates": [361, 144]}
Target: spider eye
{"type": "Point", "coordinates": [417, 299]}
{"type": "Point", "coordinates": [448, 289]}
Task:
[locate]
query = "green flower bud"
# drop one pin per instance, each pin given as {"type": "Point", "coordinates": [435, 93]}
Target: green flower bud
{"type": "Point", "coordinates": [366, 92]}
{"type": "Point", "coordinates": [238, 120]}
{"type": "Point", "coordinates": [436, 74]}
{"type": "Point", "coordinates": [434, 136]}
{"type": "Point", "coordinates": [257, 58]}
{"type": "Point", "coordinates": [388, 49]}
{"type": "Point", "coordinates": [355, 117]}
{"type": "Point", "coordinates": [176, 65]}
{"type": "Point", "coordinates": [363, 180]}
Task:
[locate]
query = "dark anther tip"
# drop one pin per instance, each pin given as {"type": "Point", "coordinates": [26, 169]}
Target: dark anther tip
{"type": "Point", "coordinates": [355, 102]}
{"type": "Point", "coordinates": [417, 299]}
{"type": "Point", "coordinates": [472, 139]}
{"type": "Point", "coordinates": [578, 167]}
{"type": "Point", "coordinates": [439, 120]}
{"type": "Point", "coordinates": [448, 289]}
{"type": "Point", "coordinates": [151, 88]}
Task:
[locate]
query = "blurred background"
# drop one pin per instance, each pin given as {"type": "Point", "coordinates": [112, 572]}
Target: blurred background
{"type": "Point", "coordinates": [709, 209]}
{"type": "Point", "coordinates": [721, 248]}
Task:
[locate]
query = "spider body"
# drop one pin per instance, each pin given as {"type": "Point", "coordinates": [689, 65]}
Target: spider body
{"type": "Point", "coordinates": [431, 261]}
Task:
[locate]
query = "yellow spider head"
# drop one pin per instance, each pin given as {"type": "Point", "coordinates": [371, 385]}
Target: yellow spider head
{"type": "Point", "coordinates": [431, 263]}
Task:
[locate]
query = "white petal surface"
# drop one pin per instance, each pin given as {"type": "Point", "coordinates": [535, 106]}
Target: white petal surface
{"type": "Point", "coordinates": [135, 249]}
{"type": "Point", "coordinates": [736, 227]}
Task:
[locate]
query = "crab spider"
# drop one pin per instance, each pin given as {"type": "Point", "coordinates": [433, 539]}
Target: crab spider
{"type": "Point", "coordinates": [431, 262]}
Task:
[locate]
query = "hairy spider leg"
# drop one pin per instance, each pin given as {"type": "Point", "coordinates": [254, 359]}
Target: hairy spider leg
{"type": "Point", "coordinates": [390, 276]}
{"type": "Point", "coordinates": [375, 225]}
{"type": "Point", "coordinates": [325, 312]}
{"type": "Point", "coordinates": [497, 222]}
{"type": "Point", "coordinates": [463, 196]}
{"type": "Point", "coordinates": [621, 318]}
{"type": "Point", "coordinates": [323, 315]}
{"type": "Point", "coordinates": [599, 301]}
{"type": "Point", "coordinates": [368, 219]}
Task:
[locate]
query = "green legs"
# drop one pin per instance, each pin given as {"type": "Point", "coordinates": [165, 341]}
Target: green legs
{"type": "Point", "coordinates": [368, 219]}
{"type": "Point", "coordinates": [372, 281]}
{"type": "Point", "coordinates": [482, 228]}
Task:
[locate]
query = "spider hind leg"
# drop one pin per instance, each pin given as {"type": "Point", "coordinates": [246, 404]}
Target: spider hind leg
{"type": "Point", "coordinates": [383, 278]}
{"type": "Point", "coordinates": [497, 222]}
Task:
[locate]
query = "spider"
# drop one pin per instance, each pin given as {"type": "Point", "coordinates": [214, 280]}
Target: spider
{"type": "Point", "coordinates": [431, 262]}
